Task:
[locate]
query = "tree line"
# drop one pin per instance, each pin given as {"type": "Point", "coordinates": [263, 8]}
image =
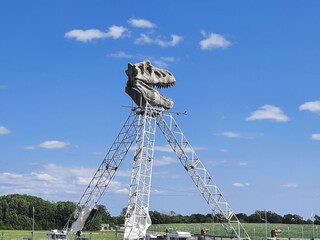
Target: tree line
{"type": "Point", "coordinates": [18, 211]}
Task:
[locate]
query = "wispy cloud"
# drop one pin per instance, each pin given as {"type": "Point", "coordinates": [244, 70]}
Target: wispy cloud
{"type": "Point", "coordinates": [163, 62]}
{"type": "Point", "coordinates": [114, 32]}
{"type": "Point", "coordinates": [53, 181]}
{"type": "Point", "coordinates": [48, 144]}
{"type": "Point", "coordinates": [243, 164]}
{"type": "Point", "coordinates": [167, 148]}
{"type": "Point", "coordinates": [224, 150]}
{"type": "Point", "coordinates": [121, 54]}
{"type": "Point", "coordinates": [213, 41]}
{"type": "Point", "coordinates": [163, 148]}
{"type": "Point", "coordinates": [164, 161]}
{"type": "Point", "coordinates": [268, 112]}
{"type": "Point", "coordinates": [146, 39]}
{"type": "Point", "coordinates": [160, 62]}
{"type": "Point", "coordinates": [2, 87]}
{"type": "Point", "coordinates": [218, 162]}
{"type": "Point", "coordinates": [231, 134]}
{"type": "Point", "coordinates": [315, 136]}
{"type": "Point", "coordinates": [289, 185]}
{"type": "Point", "coordinates": [141, 23]}
{"type": "Point", "coordinates": [4, 130]}
{"type": "Point", "coordinates": [240, 184]}
{"type": "Point", "coordinates": [311, 106]}
{"type": "Point", "coordinates": [51, 144]}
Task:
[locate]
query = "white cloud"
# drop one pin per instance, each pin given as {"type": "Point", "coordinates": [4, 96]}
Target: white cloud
{"type": "Point", "coordinates": [167, 148]}
{"type": "Point", "coordinates": [84, 35]}
{"type": "Point", "coordinates": [268, 112]}
{"type": "Point", "coordinates": [30, 147]}
{"type": "Point", "coordinates": [164, 148]}
{"type": "Point", "coordinates": [114, 32]}
{"type": "Point", "coordinates": [224, 150]}
{"type": "Point", "coordinates": [311, 106]}
{"type": "Point", "coordinates": [54, 182]}
{"type": "Point", "coordinates": [12, 175]}
{"type": "Point", "coordinates": [239, 184]}
{"type": "Point", "coordinates": [163, 62]}
{"type": "Point", "coordinates": [213, 41]}
{"type": "Point", "coordinates": [158, 191]}
{"type": "Point", "coordinates": [120, 54]}
{"type": "Point", "coordinates": [243, 163]}
{"type": "Point", "coordinates": [315, 136]}
{"type": "Point", "coordinates": [290, 185]}
{"type": "Point", "coordinates": [118, 187]}
{"type": "Point", "coordinates": [175, 39]}
{"type": "Point", "coordinates": [52, 144]}
{"type": "Point", "coordinates": [231, 134]}
{"type": "Point", "coordinates": [145, 39]}
{"type": "Point", "coordinates": [141, 23]}
{"type": "Point", "coordinates": [163, 161]}
{"type": "Point", "coordinates": [44, 176]}
{"type": "Point", "coordinates": [4, 130]}
{"type": "Point", "coordinates": [218, 162]}
{"type": "Point", "coordinates": [125, 173]}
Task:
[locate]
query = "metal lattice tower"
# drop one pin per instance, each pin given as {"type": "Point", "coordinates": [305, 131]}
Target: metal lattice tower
{"type": "Point", "coordinates": [105, 173]}
{"type": "Point", "coordinates": [200, 176]}
{"type": "Point", "coordinates": [137, 219]}
{"type": "Point", "coordinates": [140, 127]}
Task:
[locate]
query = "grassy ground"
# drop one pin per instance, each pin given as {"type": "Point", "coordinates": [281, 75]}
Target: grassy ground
{"type": "Point", "coordinates": [41, 235]}
{"type": "Point", "coordinates": [255, 231]}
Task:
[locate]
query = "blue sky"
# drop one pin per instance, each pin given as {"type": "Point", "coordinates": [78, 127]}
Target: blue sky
{"type": "Point", "coordinates": [247, 74]}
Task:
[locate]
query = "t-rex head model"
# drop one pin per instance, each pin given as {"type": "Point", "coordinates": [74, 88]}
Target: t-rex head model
{"type": "Point", "coordinates": [142, 78]}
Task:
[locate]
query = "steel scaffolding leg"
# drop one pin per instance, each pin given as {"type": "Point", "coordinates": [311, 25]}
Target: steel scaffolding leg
{"type": "Point", "coordinates": [200, 176]}
{"type": "Point", "coordinates": [106, 172]}
{"type": "Point", "coordinates": [137, 219]}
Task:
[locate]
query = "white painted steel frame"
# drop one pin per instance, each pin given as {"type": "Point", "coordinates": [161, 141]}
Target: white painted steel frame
{"type": "Point", "coordinates": [140, 126]}
{"type": "Point", "coordinates": [137, 219]}
{"type": "Point", "coordinates": [200, 176]}
{"type": "Point", "coordinates": [109, 166]}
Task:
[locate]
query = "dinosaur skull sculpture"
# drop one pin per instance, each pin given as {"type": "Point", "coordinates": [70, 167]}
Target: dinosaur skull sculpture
{"type": "Point", "coordinates": [142, 78]}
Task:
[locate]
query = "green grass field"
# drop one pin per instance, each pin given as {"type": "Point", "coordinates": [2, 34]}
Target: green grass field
{"type": "Point", "coordinates": [41, 235]}
{"type": "Point", "coordinates": [255, 231]}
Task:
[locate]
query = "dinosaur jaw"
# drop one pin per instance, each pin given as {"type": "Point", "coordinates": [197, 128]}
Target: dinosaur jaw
{"type": "Point", "coordinates": [143, 78]}
{"type": "Point", "coordinates": [142, 93]}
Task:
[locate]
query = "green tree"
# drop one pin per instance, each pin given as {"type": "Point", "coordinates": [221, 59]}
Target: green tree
{"type": "Point", "coordinates": [256, 217]}
{"type": "Point", "coordinates": [242, 217]}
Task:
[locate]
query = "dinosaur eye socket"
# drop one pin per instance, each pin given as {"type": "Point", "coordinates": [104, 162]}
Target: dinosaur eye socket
{"type": "Point", "coordinates": [157, 73]}
{"type": "Point", "coordinates": [141, 68]}
{"type": "Point", "coordinates": [149, 69]}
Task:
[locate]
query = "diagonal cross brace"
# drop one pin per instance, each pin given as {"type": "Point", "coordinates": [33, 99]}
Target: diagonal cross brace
{"type": "Point", "coordinates": [200, 176]}
{"type": "Point", "coordinates": [107, 170]}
